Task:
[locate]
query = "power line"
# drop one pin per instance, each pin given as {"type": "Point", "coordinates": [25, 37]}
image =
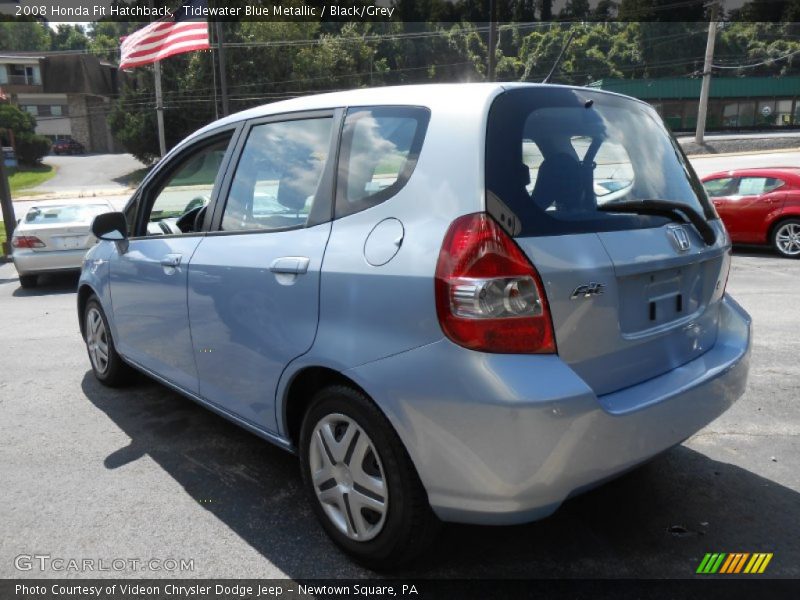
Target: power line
{"type": "Point", "coordinates": [758, 64]}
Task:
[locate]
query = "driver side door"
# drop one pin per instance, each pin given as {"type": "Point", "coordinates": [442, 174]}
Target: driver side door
{"type": "Point", "coordinates": [149, 273]}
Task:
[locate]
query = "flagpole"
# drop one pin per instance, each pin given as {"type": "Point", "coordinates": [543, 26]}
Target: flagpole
{"type": "Point", "coordinates": [223, 82]}
{"type": "Point", "coordinates": [214, 77]}
{"type": "Point", "coordinates": [162, 143]}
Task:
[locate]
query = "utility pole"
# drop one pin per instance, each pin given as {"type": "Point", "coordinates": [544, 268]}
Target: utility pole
{"type": "Point", "coordinates": [9, 219]}
{"type": "Point", "coordinates": [702, 110]}
{"type": "Point", "coordinates": [223, 80]}
{"type": "Point", "coordinates": [490, 71]}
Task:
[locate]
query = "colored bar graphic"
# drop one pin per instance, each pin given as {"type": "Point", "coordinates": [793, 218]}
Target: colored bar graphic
{"type": "Point", "coordinates": [753, 563]}
{"type": "Point", "coordinates": [734, 563]}
{"type": "Point", "coordinates": [727, 564]}
{"type": "Point", "coordinates": [740, 564]}
{"type": "Point", "coordinates": [703, 564]}
{"type": "Point", "coordinates": [764, 564]}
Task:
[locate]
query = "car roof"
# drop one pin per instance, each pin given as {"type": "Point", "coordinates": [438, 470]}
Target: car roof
{"type": "Point", "coordinates": [792, 173]}
{"type": "Point", "coordinates": [432, 95]}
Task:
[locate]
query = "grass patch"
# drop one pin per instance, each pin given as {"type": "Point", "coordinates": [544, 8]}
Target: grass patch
{"type": "Point", "coordinates": [2, 238]}
{"type": "Point", "coordinates": [22, 178]}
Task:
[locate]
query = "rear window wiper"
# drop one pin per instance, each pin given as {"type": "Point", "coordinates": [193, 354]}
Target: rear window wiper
{"type": "Point", "coordinates": [675, 211]}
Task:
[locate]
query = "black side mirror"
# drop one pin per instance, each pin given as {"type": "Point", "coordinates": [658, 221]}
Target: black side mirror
{"type": "Point", "coordinates": [110, 226]}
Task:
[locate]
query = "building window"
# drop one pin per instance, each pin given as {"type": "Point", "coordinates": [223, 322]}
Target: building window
{"type": "Point", "coordinates": [690, 110]}
{"type": "Point", "coordinates": [673, 114]}
{"type": "Point", "coordinates": [747, 114]}
{"type": "Point", "coordinates": [714, 118]}
{"type": "Point", "coordinates": [24, 75]}
{"type": "Point", "coordinates": [765, 114]}
{"type": "Point", "coordinates": [31, 109]}
{"type": "Point", "coordinates": [730, 114]}
{"type": "Point", "coordinates": [55, 110]}
{"type": "Point", "coordinates": [783, 112]}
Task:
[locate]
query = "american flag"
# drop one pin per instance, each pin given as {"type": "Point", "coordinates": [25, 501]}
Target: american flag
{"type": "Point", "coordinates": [183, 32]}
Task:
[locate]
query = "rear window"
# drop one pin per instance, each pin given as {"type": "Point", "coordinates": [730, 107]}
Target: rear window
{"type": "Point", "coordinates": [554, 155]}
{"type": "Point", "coordinates": [68, 213]}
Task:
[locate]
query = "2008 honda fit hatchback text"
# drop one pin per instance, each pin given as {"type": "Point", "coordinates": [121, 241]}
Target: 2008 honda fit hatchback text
{"type": "Point", "coordinates": [454, 302]}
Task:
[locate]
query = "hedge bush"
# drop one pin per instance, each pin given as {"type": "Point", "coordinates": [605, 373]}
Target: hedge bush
{"type": "Point", "coordinates": [32, 148]}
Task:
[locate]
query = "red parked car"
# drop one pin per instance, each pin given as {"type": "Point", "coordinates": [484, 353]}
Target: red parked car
{"type": "Point", "coordinates": [67, 146]}
{"type": "Point", "coordinates": [759, 206]}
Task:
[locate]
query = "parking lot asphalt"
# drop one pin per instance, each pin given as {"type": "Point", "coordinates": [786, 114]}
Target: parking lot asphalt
{"type": "Point", "coordinates": [142, 473]}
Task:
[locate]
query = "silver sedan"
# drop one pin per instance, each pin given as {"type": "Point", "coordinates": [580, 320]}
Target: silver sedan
{"type": "Point", "coordinates": [54, 236]}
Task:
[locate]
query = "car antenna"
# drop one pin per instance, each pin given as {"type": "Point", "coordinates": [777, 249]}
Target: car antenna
{"type": "Point", "coordinates": [560, 54]}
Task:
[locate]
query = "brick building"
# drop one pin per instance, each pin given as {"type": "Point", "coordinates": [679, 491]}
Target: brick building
{"type": "Point", "coordinates": [69, 94]}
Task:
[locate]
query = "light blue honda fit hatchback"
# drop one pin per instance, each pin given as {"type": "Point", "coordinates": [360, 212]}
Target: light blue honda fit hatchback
{"type": "Point", "coordinates": [454, 302]}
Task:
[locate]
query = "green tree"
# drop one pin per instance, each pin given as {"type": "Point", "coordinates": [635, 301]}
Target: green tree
{"type": "Point", "coordinates": [31, 148]}
{"type": "Point", "coordinates": [20, 35]}
{"type": "Point", "coordinates": [68, 37]}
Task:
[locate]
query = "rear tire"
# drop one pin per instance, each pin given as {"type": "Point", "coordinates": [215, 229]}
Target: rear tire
{"type": "Point", "coordinates": [366, 491]}
{"type": "Point", "coordinates": [786, 238]}
{"type": "Point", "coordinates": [28, 281]}
{"type": "Point", "coordinates": [107, 365]}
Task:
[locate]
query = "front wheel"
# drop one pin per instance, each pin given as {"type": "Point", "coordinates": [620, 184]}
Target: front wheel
{"type": "Point", "coordinates": [107, 365]}
{"type": "Point", "coordinates": [361, 482]}
{"type": "Point", "coordinates": [786, 238]}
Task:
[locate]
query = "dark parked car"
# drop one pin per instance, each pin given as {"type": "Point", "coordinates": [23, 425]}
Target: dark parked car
{"type": "Point", "coordinates": [68, 146]}
{"type": "Point", "coordinates": [759, 206]}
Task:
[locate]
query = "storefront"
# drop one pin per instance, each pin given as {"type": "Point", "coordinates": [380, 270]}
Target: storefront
{"type": "Point", "coordinates": [734, 102]}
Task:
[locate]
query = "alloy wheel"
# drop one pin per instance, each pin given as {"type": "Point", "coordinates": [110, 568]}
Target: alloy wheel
{"type": "Point", "coordinates": [787, 238]}
{"type": "Point", "coordinates": [348, 477]}
{"type": "Point", "coordinates": [97, 340]}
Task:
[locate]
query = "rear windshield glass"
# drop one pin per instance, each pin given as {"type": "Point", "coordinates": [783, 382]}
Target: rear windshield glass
{"type": "Point", "coordinates": [554, 155]}
{"type": "Point", "coordinates": [68, 213]}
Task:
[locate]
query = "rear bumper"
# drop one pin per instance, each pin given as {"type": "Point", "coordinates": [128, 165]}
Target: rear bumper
{"type": "Point", "coordinates": [29, 262]}
{"type": "Point", "coordinates": [500, 439]}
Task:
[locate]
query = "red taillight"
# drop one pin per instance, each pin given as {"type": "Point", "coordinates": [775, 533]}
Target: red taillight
{"type": "Point", "coordinates": [489, 297]}
{"type": "Point", "coordinates": [26, 241]}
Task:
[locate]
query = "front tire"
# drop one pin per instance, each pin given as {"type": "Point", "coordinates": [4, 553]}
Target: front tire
{"type": "Point", "coordinates": [361, 482]}
{"type": "Point", "coordinates": [786, 238]}
{"type": "Point", "coordinates": [107, 365]}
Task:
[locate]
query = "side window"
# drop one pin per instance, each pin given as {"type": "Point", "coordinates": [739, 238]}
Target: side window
{"type": "Point", "coordinates": [755, 186]}
{"type": "Point", "coordinates": [725, 186]}
{"type": "Point", "coordinates": [175, 206]}
{"type": "Point", "coordinates": [380, 148]}
{"type": "Point", "coordinates": [752, 186]}
{"type": "Point", "coordinates": [278, 175]}
{"type": "Point", "coordinates": [773, 184]}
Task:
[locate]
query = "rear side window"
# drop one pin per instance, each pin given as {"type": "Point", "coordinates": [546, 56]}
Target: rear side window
{"type": "Point", "coordinates": [380, 148]}
{"type": "Point", "coordinates": [555, 155]}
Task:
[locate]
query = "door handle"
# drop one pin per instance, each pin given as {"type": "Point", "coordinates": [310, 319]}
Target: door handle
{"type": "Point", "coordinates": [171, 260]}
{"type": "Point", "coordinates": [295, 265]}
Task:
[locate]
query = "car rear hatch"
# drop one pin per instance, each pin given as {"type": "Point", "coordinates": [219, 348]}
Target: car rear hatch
{"type": "Point", "coordinates": [579, 178]}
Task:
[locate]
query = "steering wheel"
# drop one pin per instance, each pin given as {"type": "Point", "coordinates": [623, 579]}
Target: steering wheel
{"type": "Point", "coordinates": [187, 221]}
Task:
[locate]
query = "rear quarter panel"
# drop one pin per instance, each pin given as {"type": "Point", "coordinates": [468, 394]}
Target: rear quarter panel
{"type": "Point", "coordinates": [370, 312]}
